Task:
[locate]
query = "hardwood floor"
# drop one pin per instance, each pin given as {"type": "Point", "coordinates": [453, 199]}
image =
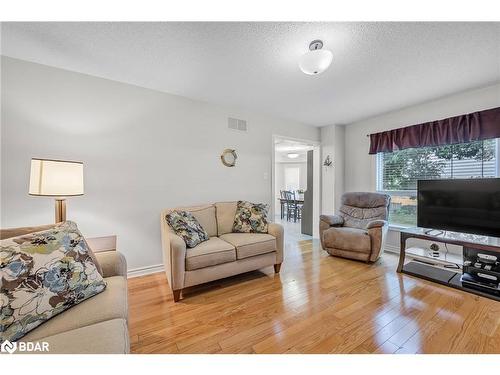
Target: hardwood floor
{"type": "Point", "coordinates": [317, 304]}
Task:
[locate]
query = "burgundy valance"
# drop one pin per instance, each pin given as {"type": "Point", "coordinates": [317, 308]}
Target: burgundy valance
{"type": "Point", "coordinates": [459, 129]}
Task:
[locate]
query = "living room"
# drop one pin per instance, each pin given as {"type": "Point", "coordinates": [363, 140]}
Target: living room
{"type": "Point", "coordinates": [181, 187]}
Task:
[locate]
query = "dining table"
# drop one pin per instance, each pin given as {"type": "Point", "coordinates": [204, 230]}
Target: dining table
{"type": "Point", "coordinates": [299, 200]}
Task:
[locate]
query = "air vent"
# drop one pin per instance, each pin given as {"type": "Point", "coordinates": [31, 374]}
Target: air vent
{"type": "Point", "coordinates": [237, 124]}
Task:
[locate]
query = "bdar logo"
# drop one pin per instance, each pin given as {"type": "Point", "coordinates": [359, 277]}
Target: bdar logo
{"type": "Point", "coordinates": [8, 347]}
{"type": "Point", "coordinates": [28, 346]}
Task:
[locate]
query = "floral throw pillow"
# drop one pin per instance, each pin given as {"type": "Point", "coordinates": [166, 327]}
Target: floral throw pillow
{"type": "Point", "coordinates": [250, 218]}
{"type": "Point", "coordinates": [41, 275]}
{"type": "Point", "coordinates": [185, 225]}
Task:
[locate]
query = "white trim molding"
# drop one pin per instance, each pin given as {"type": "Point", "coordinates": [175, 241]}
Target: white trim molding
{"type": "Point", "coordinates": [142, 271]}
{"type": "Point", "coordinates": [391, 249]}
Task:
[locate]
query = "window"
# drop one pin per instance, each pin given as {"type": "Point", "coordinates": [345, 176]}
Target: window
{"type": "Point", "coordinates": [398, 172]}
{"type": "Point", "coordinates": [292, 178]}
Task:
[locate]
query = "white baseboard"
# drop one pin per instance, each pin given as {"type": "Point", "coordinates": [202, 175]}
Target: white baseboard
{"type": "Point", "coordinates": [392, 249]}
{"type": "Point", "coordinates": [142, 271]}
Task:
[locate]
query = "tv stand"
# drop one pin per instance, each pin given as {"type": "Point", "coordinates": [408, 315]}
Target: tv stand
{"type": "Point", "coordinates": [433, 232]}
{"type": "Point", "coordinates": [428, 268]}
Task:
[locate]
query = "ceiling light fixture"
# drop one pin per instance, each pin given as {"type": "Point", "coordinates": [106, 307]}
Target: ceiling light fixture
{"type": "Point", "coordinates": [293, 155]}
{"type": "Point", "coordinates": [317, 60]}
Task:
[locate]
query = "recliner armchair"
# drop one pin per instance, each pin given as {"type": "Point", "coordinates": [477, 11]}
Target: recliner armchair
{"type": "Point", "coordinates": [359, 230]}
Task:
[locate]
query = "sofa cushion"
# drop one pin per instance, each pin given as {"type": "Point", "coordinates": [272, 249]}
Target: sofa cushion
{"type": "Point", "coordinates": [110, 304]}
{"type": "Point", "coordinates": [43, 274]}
{"type": "Point", "coordinates": [108, 337]}
{"type": "Point", "coordinates": [206, 217]}
{"type": "Point", "coordinates": [185, 225]}
{"type": "Point", "coordinates": [225, 212]}
{"type": "Point", "coordinates": [205, 214]}
{"type": "Point", "coordinates": [359, 209]}
{"type": "Point", "coordinates": [250, 244]}
{"type": "Point", "coordinates": [345, 238]}
{"type": "Point", "coordinates": [250, 218]}
{"type": "Point", "coordinates": [210, 253]}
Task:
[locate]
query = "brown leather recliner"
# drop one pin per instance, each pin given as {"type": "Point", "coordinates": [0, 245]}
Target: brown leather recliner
{"type": "Point", "coordinates": [359, 230]}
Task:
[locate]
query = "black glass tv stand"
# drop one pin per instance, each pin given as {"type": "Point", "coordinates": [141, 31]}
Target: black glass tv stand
{"type": "Point", "coordinates": [477, 263]}
{"type": "Point", "coordinates": [433, 232]}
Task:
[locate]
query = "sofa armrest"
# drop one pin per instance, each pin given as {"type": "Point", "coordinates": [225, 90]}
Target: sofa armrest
{"type": "Point", "coordinates": [101, 244]}
{"type": "Point", "coordinates": [20, 231]}
{"type": "Point", "coordinates": [376, 224]}
{"type": "Point", "coordinates": [174, 255]}
{"type": "Point", "coordinates": [113, 263]}
{"type": "Point", "coordinates": [332, 220]}
{"type": "Point", "coordinates": [326, 222]}
{"type": "Point", "coordinates": [378, 236]}
{"type": "Point", "coordinates": [276, 230]}
{"type": "Point", "coordinates": [174, 259]}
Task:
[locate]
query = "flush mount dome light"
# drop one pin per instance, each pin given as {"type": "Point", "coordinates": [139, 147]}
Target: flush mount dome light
{"type": "Point", "coordinates": [317, 60]}
{"type": "Point", "coordinates": [293, 155]}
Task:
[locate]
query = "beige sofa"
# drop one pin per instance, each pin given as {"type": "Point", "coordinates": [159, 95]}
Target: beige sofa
{"type": "Point", "coordinates": [224, 254]}
{"type": "Point", "coordinates": [95, 326]}
{"type": "Point", "coordinates": [359, 230]}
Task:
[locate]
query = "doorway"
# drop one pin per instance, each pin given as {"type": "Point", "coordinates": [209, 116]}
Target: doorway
{"type": "Point", "coordinates": [296, 186]}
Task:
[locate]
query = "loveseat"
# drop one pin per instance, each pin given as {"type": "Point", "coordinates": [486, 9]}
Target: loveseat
{"type": "Point", "coordinates": [97, 325]}
{"type": "Point", "coordinates": [224, 254]}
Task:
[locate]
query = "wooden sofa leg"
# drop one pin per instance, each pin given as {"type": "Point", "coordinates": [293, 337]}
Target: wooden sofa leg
{"type": "Point", "coordinates": [177, 295]}
{"type": "Point", "coordinates": [277, 268]}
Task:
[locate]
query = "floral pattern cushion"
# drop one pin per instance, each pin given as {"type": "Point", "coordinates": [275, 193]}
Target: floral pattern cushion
{"type": "Point", "coordinates": [43, 274]}
{"type": "Point", "coordinates": [250, 218]}
{"type": "Point", "coordinates": [185, 225]}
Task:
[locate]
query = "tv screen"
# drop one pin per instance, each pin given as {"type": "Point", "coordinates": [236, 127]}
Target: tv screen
{"type": "Point", "coordinates": [468, 206]}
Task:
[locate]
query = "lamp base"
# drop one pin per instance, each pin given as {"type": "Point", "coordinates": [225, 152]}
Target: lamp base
{"type": "Point", "coordinates": [60, 210]}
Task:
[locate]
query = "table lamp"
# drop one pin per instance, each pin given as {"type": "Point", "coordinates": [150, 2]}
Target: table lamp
{"type": "Point", "coordinates": [58, 179]}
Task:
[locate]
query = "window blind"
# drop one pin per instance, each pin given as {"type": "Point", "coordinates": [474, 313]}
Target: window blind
{"type": "Point", "coordinates": [399, 171]}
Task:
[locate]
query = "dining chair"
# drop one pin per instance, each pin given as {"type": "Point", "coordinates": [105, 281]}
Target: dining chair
{"type": "Point", "coordinates": [299, 198]}
{"type": "Point", "coordinates": [282, 204]}
{"type": "Point", "coordinates": [292, 206]}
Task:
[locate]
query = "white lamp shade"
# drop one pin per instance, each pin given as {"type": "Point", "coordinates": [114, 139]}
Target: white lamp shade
{"type": "Point", "coordinates": [56, 178]}
{"type": "Point", "coordinates": [315, 61]}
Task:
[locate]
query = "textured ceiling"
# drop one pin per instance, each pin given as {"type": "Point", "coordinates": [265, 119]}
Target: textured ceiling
{"type": "Point", "coordinates": [377, 67]}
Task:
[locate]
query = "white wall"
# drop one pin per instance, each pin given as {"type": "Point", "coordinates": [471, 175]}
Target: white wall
{"type": "Point", "coordinates": [332, 144]}
{"type": "Point", "coordinates": [360, 168]}
{"type": "Point", "coordinates": [142, 150]}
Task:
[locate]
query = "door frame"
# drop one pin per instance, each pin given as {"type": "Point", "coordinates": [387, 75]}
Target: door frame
{"type": "Point", "coordinates": [317, 168]}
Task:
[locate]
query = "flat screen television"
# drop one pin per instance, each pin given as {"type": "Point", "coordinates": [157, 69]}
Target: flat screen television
{"type": "Point", "coordinates": [460, 205]}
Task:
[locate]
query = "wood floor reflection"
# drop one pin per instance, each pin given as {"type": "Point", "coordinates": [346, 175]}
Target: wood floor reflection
{"type": "Point", "coordinates": [317, 304]}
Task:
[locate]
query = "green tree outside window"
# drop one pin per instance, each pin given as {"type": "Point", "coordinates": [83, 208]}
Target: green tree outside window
{"type": "Point", "coordinates": [402, 169]}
